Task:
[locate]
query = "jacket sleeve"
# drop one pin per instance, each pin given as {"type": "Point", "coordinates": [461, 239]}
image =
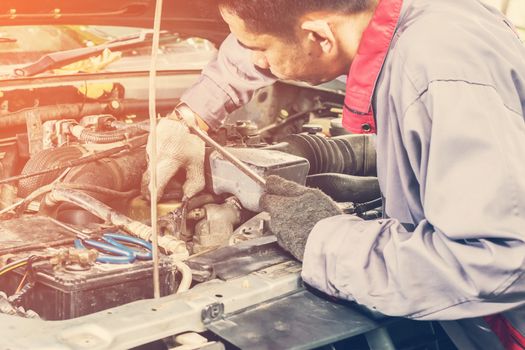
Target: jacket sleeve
{"type": "Point", "coordinates": [466, 257]}
{"type": "Point", "coordinates": [226, 83]}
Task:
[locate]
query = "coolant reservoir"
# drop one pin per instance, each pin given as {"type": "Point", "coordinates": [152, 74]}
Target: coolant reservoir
{"type": "Point", "coordinates": [139, 208]}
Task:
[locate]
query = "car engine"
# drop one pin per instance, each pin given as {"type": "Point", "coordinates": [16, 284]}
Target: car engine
{"type": "Point", "coordinates": [72, 159]}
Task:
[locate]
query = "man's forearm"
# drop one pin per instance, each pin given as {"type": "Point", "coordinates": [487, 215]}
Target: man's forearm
{"type": "Point", "coordinates": [226, 84]}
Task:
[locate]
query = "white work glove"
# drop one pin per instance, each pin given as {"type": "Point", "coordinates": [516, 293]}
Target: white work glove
{"type": "Point", "coordinates": [176, 148]}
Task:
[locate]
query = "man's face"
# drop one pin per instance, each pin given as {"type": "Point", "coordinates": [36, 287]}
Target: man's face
{"type": "Point", "coordinates": [299, 59]}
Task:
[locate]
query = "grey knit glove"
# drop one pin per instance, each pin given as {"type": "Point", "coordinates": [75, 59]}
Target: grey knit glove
{"type": "Point", "coordinates": [176, 148]}
{"type": "Point", "coordinates": [294, 211]}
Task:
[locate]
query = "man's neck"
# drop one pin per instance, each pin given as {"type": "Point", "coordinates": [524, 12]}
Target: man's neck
{"type": "Point", "coordinates": [349, 31]}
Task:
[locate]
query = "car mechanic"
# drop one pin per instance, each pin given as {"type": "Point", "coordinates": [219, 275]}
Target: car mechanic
{"type": "Point", "coordinates": [442, 83]}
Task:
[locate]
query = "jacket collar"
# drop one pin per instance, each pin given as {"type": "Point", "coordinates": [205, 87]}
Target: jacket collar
{"type": "Point", "coordinates": [358, 116]}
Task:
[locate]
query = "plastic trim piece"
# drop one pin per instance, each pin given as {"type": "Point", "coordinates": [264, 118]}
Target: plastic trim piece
{"type": "Point", "coordinates": [144, 321]}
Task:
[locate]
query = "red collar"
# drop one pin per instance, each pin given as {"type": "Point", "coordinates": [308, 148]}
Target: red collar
{"type": "Point", "coordinates": [358, 116]}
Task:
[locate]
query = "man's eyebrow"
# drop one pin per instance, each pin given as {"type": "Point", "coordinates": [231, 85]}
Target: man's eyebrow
{"type": "Point", "coordinates": [248, 47]}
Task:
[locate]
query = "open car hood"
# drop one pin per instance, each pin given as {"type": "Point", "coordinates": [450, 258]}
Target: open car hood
{"type": "Point", "coordinates": [193, 17]}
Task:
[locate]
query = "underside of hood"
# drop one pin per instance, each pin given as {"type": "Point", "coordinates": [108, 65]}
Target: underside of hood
{"type": "Point", "coordinates": [188, 17]}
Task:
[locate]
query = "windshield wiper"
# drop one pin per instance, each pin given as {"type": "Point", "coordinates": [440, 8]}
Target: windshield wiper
{"type": "Point", "coordinates": [62, 58]}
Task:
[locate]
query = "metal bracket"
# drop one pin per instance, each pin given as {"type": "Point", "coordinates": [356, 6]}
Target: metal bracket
{"type": "Point", "coordinates": [35, 131]}
{"type": "Point", "coordinates": [212, 312]}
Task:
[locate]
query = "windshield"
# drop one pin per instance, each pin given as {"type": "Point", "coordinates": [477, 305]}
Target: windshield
{"type": "Point", "coordinates": [22, 45]}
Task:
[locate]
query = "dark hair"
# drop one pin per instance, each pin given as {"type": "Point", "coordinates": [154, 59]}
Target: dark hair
{"type": "Point", "coordinates": [281, 16]}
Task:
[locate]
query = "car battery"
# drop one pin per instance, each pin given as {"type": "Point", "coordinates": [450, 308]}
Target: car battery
{"type": "Point", "coordinates": [60, 294]}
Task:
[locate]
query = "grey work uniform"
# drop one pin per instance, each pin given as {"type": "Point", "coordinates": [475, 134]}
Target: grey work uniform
{"type": "Point", "coordinates": [449, 105]}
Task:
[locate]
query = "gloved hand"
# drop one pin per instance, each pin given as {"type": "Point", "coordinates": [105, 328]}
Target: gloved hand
{"type": "Point", "coordinates": [294, 210]}
{"type": "Point", "coordinates": [176, 148]}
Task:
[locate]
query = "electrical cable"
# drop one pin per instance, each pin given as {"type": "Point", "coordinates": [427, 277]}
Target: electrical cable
{"type": "Point", "coordinates": [23, 288]}
{"type": "Point", "coordinates": [21, 284]}
{"type": "Point", "coordinates": [361, 208]}
{"type": "Point", "coordinates": [13, 265]}
{"type": "Point", "coordinates": [36, 246]}
{"type": "Point", "coordinates": [187, 276]}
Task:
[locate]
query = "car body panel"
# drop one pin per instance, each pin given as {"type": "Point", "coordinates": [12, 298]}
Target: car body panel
{"type": "Point", "coordinates": [198, 18]}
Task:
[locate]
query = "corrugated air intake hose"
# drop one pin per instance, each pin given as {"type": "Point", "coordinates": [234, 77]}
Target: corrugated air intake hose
{"type": "Point", "coordinates": [45, 159]}
{"type": "Point", "coordinates": [346, 188]}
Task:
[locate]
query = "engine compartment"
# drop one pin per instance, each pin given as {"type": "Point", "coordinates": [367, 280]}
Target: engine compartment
{"type": "Point", "coordinates": [73, 155]}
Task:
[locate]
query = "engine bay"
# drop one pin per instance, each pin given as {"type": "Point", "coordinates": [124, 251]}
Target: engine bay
{"type": "Point", "coordinates": [75, 234]}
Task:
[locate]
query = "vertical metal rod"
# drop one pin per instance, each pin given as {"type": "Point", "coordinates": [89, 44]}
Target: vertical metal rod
{"type": "Point", "coordinates": [153, 150]}
{"type": "Point", "coordinates": [505, 6]}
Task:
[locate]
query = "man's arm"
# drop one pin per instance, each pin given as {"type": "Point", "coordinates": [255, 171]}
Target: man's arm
{"type": "Point", "coordinates": [226, 84]}
{"type": "Point", "coordinates": [466, 258]}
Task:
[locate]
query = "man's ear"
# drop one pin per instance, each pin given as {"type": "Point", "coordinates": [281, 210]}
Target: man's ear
{"type": "Point", "coordinates": [320, 31]}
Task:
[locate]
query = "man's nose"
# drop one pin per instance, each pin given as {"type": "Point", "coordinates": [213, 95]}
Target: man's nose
{"type": "Point", "coordinates": [259, 59]}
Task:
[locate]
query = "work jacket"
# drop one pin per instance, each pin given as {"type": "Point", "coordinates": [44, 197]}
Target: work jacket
{"type": "Point", "coordinates": [443, 85]}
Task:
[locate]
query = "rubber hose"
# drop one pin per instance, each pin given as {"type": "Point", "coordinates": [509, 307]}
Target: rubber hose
{"type": "Point", "coordinates": [111, 136]}
{"type": "Point", "coordinates": [363, 150]}
{"type": "Point", "coordinates": [346, 188]}
{"type": "Point", "coordinates": [186, 273]}
{"type": "Point", "coordinates": [54, 112]}
{"type": "Point", "coordinates": [78, 110]}
{"type": "Point", "coordinates": [201, 200]}
{"type": "Point", "coordinates": [362, 208]}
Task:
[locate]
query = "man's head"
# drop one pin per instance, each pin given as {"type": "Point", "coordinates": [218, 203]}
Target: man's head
{"type": "Point", "coordinates": [306, 40]}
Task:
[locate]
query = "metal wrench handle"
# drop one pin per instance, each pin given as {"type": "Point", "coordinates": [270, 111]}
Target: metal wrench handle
{"type": "Point", "coordinates": [186, 115]}
{"type": "Point", "coordinates": [226, 154]}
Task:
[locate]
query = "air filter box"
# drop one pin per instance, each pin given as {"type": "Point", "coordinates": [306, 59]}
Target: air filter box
{"type": "Point", "coordinates": [225, 177]}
